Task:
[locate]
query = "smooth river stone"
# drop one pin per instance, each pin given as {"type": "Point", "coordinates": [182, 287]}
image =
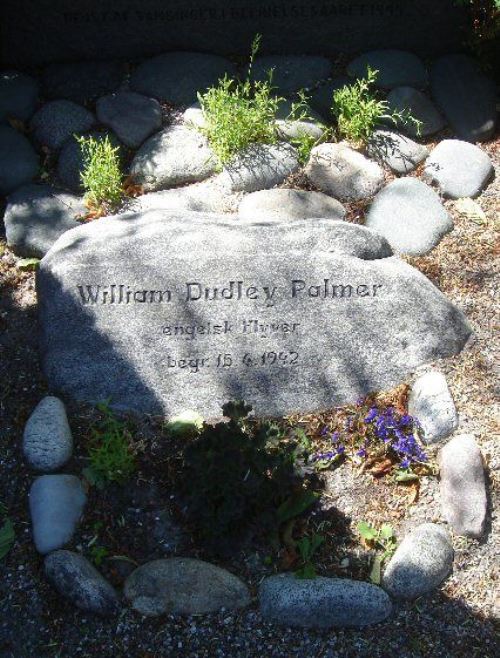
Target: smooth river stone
{"type": "Point", "coordinates": [290, 316]}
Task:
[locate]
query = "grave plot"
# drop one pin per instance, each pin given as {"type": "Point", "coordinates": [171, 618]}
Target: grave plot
{"type": "Point", "coordinates": [248, 334]}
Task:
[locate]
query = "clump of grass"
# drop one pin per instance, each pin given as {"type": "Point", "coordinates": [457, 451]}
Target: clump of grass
{"type": "Point", "coordinates": [239, 113]}
{"type": "Point", "coordinates": [101, 178]}
{"type": "Point", "coordinates": [359, 111]}
{"type": "Point", "coordinates": [111, 451]}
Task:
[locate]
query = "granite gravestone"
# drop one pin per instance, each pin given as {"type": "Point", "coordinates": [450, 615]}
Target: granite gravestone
{"type": "Point", "coordinates": [164, 312]}
{"type": "Point", "coordinates": [37, 32]}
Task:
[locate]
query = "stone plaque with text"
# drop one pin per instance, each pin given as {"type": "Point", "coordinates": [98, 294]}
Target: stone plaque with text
{"type": "Point", "coordinates": [163, 312]}
{"type": "Point", "coordinates": [36, 32]}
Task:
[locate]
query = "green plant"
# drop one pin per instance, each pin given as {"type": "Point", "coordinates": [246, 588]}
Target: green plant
{"type": "Point", "coordinates": [307, 547]}
{"type": "Point", "coordinates": [239, 473]}
{"type": "Point", "coordinates": [101, 176]}
{"type": "Point", "coordinates": [358, 110]}
{"type": "Point", "coordinates": [110, 450]}
{"type": "Point", "coordinates": [383, 540]}
{"type": "Point", "coordinates": [7, 534]}
{"type": "Point", "coordinates": [239, 113]}
{"type": "Point", "coordinates": [483, 31]}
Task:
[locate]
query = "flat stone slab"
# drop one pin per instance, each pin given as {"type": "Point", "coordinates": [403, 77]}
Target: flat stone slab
{"type": "Point", "coordinates": [466, 96]}
{"type": "Point", "coordinates": [420, 106]}
{"type": "Point", "coordinates": [420, 564]}
{"type": "Point", "coordinates": [19, 162]}
{"type": "Point", "coordinates": [163, 312]}
{"type": "Point", "coordinates": [396, 151]}
{"type": "Point", "coordinates": [344, 173]}
{"type": "Point", "coordinates": [283, 204]}
{"type": "Point", "coordinates": [36, 215]}
{"type": "Point", "coordinates": [57, 121]}
{"type": "Point", "coordinates": [431, 402]}
{"type": "Point", "coordinates": [18, 95]}
{"type": "Point", "coordinates": [184, 586]}
{"type": "Point", "coordinates": [458, 168]}
{"type": "Point", "coordinates": [410, 215]}
{"type": "Point", "coordinates": [178, 77]}
{"type": "Point", "coordinates": [131, 116]}
{"type": "Point", "coordinates": [56, 505]}
{"type": "Point", "coordinates": [47, 438]}
{"type": "Point", "coordinates": [395, 68]}
{"type": "Point", "coordinates": [322, 602]}
{"type": "Point", "coordinates": [260, 167]}
{"type": "Point", "coordinates": [175, 156]}
{"type": "Point", "coordinates": [83, 81]}
{"type": "Point", "coordinates": [291, 73]}
{"type": "Point", "coordinates": [78, 581]}
{"type": "Point", "coordinates": [463, 488]}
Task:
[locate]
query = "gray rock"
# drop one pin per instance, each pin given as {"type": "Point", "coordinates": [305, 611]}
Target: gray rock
{"type": "Point", "coordinates": [193, 116]}
{"type": "Point", "coordinates": [36, 215]}
{"type": "Point", "coordinates": [466, 96]}
{"type": "Point", "coordinates": [78, 581]}
{"type": "Point", "coordinates": [57, 121]}
{"type": "Point", "coordinates": [19, 163]}
{"type": "Point", "coordinates": [407, 99]}
{"type": "Point", "coordinates": [56, 505]}
{"type": "Point", "coordinates": [463, 488]}
{"type": "Point", "coordinates": [131, 116]}
{"type": "Point", "coordinates": [281, 204]}
{"type": "Point", "coordinates": [178, 77]}
{"type": "Point", "coordinates": [458, 168]}
{"type": "Point", "coordinates": [387, 317]}
{"type": "Point", "coordinates": [289, 130]}
{"type": "Point", "coordinates": [47, 439]}
{"type": "Point", "coordinates": [321, 98]}
{"type": "Point", "coordinates": [291, 72]}
{"type": "Point", "coordinates": [175, 156]}
{"type": "Point", "coordinates": [184, 586]}
{"type": "Point", "coordinates": [420, 564]}
{"type": "Point", "coordinates": [82, 82]}
{"type": "Point", "coordinates": [208, 196]}
{"type": "Point", "coordinates": [398, 152]}
{"type": "Point", "coordinates": [322, 602]}
{"type": "Point", "coordinates": [431, 402]}
{"type": "Point", "coordinates": [260, 167]}
{"type": "Point", "coordinates": [70, 163]}
{"type": "Point", "coordinates": [395, 68]}
{"type": "Point", "coordinates": [410, 215]}
{"type": "Point", "coordinates": [343, 172]}
{"type": "Point", "coordinates": [18, 95]}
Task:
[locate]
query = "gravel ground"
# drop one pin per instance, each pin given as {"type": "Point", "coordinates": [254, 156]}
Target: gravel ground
{"type": "Point", "coordinates": [458, 620]}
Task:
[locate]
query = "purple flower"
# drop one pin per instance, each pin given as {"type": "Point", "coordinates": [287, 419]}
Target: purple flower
{"type": "Point", "coordinates": [335, 437]}
{"type": "Point", "coordinates": [361, 452]}
{"type": "Point", "coordinates": [372, 414]}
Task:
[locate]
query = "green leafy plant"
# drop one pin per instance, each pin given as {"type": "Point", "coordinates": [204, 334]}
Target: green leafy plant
{"type": "Point", "coordinates": [239, 473]}
{"type": "Point", "coordinates": [239, 113]}
{"type": "Point", "coordinates": [307, 547]}
{"type": "Point", "coordinates": [381, 539]}
{"type": "Point", "coordinates": [110, 450]}
{"type": "Point", "coordinates": [358, 110]}
{"type": "Point", "coordinates": [101, 176]}
{"type": "Point", "coordinates": [7, 534]}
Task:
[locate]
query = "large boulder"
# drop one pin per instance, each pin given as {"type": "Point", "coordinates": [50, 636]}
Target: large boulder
{"type": "Point", "coordinates": [131, 116]}
{"type": "Point", "coordinates": [78, 581]}
{"type": "Point", "coordinates": [466, 96]}
{"type": "Point", "coordinates": [36, 215]}
{"type": "Point", "coordinates": [322, 602]}
{"type": "Point", "coordinates": [163, 311]}
{"type": "Point", "coordinates": [57, 121]}
{"type": "Point", "coordinates": [410, 215]}
{"type": "Point", "coordinates": [175, 156]}
{"type": "Point", "coordinates": [344, 173]}
{"type": "Point", "coordinates": [19, 163]}
{"type": "Point", "coordinates": [184, 586]}
{"type": "Point", "coordinates": [18, 95]}
{"type": "Point", "coordinates": [395, 68]}
{"type": "Point", "coordinates": [179, 76]}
